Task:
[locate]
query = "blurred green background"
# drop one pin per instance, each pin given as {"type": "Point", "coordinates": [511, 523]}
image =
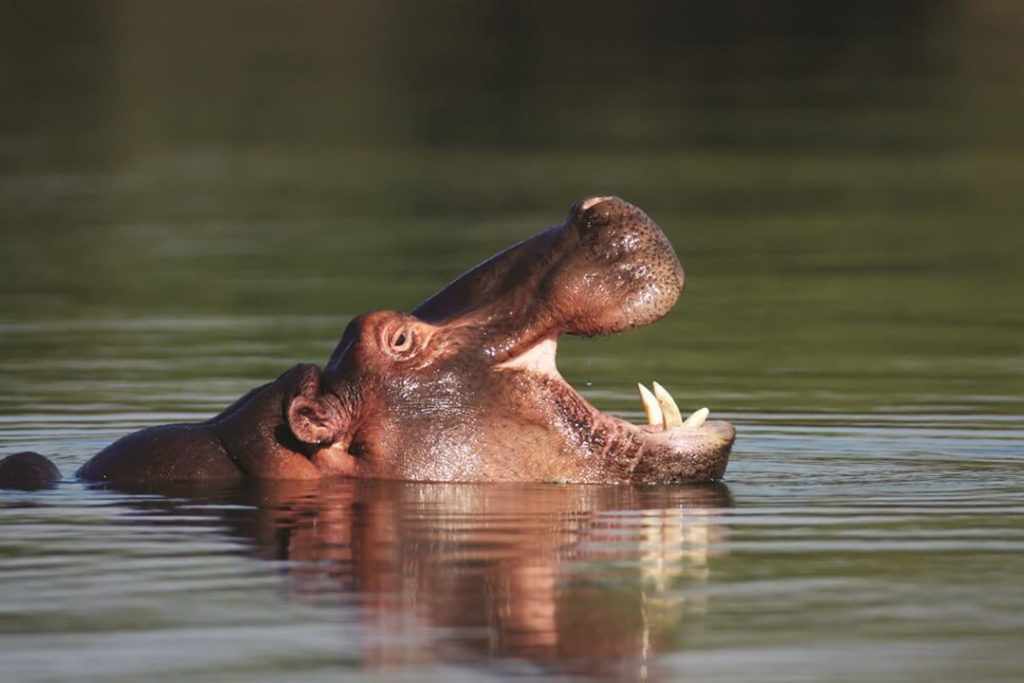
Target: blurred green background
{"type": "Point", "coordinates": [844, 183]}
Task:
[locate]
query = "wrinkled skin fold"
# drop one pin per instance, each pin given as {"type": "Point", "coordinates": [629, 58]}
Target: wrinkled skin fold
{"type": "Point", "coordinates": [462, 388]}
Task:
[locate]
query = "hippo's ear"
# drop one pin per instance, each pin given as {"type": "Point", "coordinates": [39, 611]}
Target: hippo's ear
{"type": "Point", "coordinates": [313, 420]}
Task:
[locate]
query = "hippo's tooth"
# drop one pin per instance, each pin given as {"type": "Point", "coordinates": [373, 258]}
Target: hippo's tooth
{"type": "Point", "coordinates": [697, 419]}
{"type": "Point", "coordinates": [669, 409]}
{"type": "Point", "coordinates": [651, 407]}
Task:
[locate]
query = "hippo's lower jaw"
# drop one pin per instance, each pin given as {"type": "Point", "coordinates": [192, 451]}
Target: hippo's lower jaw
{"type": "Point", "coordinates": [667, 450]}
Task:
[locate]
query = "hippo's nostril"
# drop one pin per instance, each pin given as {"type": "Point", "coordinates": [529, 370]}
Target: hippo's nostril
{"type": "Point", "coordinates": [591, 201]}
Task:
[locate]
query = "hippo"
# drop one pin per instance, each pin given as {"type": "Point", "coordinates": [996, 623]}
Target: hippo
{"type": "Point", "coordinates": [462, 388]}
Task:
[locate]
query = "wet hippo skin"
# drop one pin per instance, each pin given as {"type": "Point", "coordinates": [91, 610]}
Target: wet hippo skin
{"type": "Point", "coordinates": [27, 471]}
{"type": "Point", "coordinates": [462, 388]}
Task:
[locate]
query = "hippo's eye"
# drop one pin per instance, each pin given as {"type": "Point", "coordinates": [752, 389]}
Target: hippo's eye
{"type": "Point", "coordinates": [401, 341]}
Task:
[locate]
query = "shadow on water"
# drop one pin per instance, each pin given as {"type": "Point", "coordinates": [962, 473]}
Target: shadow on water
{"type": "Point", "coordinates": [468, 573]}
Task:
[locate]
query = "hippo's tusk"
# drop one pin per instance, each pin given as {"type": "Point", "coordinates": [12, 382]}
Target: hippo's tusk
{"type": "Point", "coordinates": [668, 407]}
{"type": "Point", "coordinates": [697, 419]}
{"type": "Point", "coordinates": [651, 407]}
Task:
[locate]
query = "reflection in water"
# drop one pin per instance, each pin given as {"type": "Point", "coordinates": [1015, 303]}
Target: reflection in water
{"type": "Point", "coordinates": [584, 577]}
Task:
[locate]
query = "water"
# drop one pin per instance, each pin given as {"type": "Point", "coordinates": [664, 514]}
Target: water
{"type": "Point", "coordinates": [193, 200]}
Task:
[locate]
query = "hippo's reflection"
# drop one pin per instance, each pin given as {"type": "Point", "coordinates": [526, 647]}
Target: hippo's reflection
{"type": "Point", "coordinates": [588, 576]}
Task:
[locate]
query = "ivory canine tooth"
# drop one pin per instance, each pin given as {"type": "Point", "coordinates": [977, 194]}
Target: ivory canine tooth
{"type": "Point", "coordinates": [697, 419]}
{"type": "Point", "coordinates": [669, 409]}
{"type": "Point", "coordinates": [651, 407]}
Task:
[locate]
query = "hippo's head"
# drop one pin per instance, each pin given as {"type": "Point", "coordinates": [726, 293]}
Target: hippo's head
{"type": "Point", "coordinates": [465, 387]}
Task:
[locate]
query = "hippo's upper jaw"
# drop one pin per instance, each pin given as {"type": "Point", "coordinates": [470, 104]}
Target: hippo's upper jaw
{"type": "Point", "coordinates": [466, 388]}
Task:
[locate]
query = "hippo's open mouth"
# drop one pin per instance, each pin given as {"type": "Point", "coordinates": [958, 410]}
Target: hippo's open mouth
{"type": "Point", "coordinates": [667, 448]}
